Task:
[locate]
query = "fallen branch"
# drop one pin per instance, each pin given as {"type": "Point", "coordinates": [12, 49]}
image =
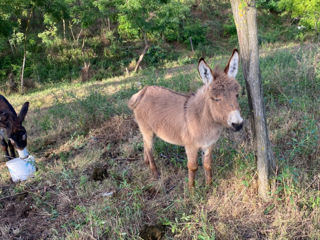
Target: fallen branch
{"type": "Point", "coordinates": [12, 196]}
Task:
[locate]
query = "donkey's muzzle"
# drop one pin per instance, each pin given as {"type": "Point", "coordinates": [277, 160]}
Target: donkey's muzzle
{"type": "Point", "coordinates": [237, 126]}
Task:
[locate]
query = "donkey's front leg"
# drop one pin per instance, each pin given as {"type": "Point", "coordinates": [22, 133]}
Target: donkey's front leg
{"type": "Point", "coordinates": [4, 147]}
{"type": "Point", "coordinates": [207, 161]}
{"type": "Point", "coordinates": [192, 153]}
{"type": "Point", "coordinates": [12, 151]}
{"type": "Point", "coordinates": [148, 158]}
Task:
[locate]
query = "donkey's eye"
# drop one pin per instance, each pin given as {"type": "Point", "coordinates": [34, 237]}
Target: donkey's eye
{"type": "Point", "coordinates": [237, 95]}
{"type": "Point", "coordinates": [216, 99]}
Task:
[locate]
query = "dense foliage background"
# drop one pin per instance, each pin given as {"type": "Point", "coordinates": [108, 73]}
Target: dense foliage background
{"type": "Point", "coordinates": [59, 38]}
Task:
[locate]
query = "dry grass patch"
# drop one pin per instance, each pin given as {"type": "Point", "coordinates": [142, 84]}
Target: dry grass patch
{"type": "Point", "coordinates": [92, 182]}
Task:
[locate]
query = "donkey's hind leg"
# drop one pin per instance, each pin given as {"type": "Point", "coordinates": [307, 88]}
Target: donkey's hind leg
{"type": "Point", "coordinates": [148, 157]}
{"type": "Point", "coordinates": [4, 147]}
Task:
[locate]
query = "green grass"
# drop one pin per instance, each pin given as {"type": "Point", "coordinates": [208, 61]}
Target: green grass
{"type": "Point", "coordinates": [75, 129]}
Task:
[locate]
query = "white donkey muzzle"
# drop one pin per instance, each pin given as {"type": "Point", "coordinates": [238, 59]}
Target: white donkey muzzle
{"type": "Point", "coordinates": [23, 153]}
{"type": "Point", "coordinates": [235, 121]}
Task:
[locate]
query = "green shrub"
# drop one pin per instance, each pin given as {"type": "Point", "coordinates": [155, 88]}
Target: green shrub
{"type": "Point", "coordinates": [155, 55]}
{"type": "Point", "coordinates": [196, 31]}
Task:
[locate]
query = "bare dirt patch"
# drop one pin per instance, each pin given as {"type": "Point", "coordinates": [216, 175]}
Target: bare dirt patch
{"type": "Point", "coordinates": [116, 136]}
{"type": "Point", "coordinates": [99, 173]}
{"type": "Point", "coordinates": [154, 232]}
{"type": "Point", "coordinates": [115, 130]}
{"type": "Point", "coordinates": [21, 218]}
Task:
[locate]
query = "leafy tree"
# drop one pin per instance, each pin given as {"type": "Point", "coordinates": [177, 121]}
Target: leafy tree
{"type": "Point", "coordinates": [169, 20]}
{"type": "Point", "coordinates": [307, 11]}
{"type": "Point", "coordinates": [49, 39]}
{"type": "Point", "coordinates": [15, 17]}
{"type": "Point", "coordinates": [271, 5]}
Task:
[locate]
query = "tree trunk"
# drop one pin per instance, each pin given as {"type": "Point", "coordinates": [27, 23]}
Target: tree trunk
{"type": "Point", "coordinates": [79, 34]}
{"type": "Point", "coordinates": [22, 71]}
{"type": "Point", "coordinates": [109, 25]}
{"type": "Point", "coordinates": [190, 38]}
{"type": "Point", "coordinates": [71, 30]}
{"type": "Point", "coordinates": [64, 30]}
{"type": "Point", "coordinates": [245, 17]}
{"type": "Point", "coordinates": [11, 84]}
{"type": "Point", "coordinates": [85, 72]}
{"type": "Point", "coordinates": [12, 50]}
{"type": "Point", "coordinates": [146, 46]}
{"type": "Point", "coordinates": [25, 52]}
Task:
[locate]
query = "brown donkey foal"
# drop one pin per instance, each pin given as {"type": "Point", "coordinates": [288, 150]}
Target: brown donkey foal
{"type": "Point", "coordinates": [193, 121]}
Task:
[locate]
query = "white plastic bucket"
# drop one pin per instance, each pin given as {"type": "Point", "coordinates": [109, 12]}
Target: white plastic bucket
{"type": "Point", "coordinates": [21, 169]}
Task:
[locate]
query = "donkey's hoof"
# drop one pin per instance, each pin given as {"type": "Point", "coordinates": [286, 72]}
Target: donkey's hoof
{"type": "Point", "coordinates": [155, 175]}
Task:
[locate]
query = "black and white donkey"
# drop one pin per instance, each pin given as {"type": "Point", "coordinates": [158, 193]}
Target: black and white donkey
{"type": "Point", "coordinates": [11, 129]}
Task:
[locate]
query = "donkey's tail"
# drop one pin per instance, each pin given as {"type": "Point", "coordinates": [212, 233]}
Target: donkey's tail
{"type": "Point", "coordinates": [136, 98]}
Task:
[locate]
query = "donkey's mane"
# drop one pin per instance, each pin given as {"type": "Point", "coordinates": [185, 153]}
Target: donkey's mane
{"type": "Point", "coordinates": [178, 93]}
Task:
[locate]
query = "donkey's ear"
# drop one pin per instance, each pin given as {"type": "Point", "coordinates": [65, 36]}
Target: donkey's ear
{"type": "Point", "coordinates": [23, 112]}
{"type": "Point", "coordinates": [232, 67]}
{"type": "Point", "coordinates": [205, 71]}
